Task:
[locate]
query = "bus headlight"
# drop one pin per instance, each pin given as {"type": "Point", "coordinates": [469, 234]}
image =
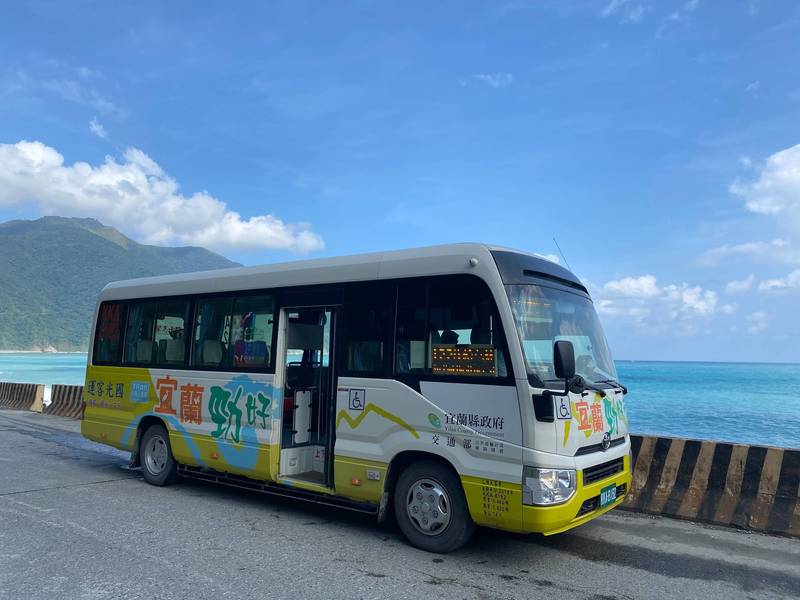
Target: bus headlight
{"type": "Point", "coordinates": [547, 486]}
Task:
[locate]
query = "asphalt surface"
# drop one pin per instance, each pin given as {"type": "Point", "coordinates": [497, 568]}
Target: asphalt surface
{"type": "Point", "coordinates": [76, 523]}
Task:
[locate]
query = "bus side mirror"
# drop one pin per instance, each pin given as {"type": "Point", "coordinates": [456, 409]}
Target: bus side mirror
{"type": "Point", "coordinates": [564, 359]}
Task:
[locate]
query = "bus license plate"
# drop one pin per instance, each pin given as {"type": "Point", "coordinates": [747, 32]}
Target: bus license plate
{"type": "Point", "coordinates": [608, 495]}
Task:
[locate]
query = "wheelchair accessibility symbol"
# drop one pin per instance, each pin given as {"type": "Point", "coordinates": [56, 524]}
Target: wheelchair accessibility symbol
{"type": "Point", "coordinates": [562, 408]}
{"type": "Point", "coordinates": [357, 399]}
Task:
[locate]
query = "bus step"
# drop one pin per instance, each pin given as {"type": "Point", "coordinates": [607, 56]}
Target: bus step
{"type": "Point", "coordinates": [275, 489]}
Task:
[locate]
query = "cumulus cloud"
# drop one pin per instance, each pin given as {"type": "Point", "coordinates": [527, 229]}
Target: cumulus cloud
{"type": "Point", "coordinates": [776, 188]}
{"type": "Point", "coordinates": [96, 127]}
{"type": "Point", "coordinates": [135, 195]}
{"type": "Point", "coordinates": [634, 287]}
{"type": "Point", "coordinates": [740, 286]}
{"type": "Point", "coordinates": [652, 308]}
{"type": "Point", "coordinates": [790, 282]}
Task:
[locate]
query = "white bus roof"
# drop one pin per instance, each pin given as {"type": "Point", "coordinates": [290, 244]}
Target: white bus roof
{"type": "Point", "coordinates": [413, 262]}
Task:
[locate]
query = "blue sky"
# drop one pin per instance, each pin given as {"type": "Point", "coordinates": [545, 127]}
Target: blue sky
{"type": "Point", "coordinates": [657, 141]}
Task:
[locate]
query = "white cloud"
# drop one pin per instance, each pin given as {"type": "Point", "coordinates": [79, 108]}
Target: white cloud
{"type": "Point", "coordinates": [728, 309]}
{"type": "Point", "coordinates": [758, 321]}
{"type": "Point", "coordinates": [96, 127]}
{"type": "Point", "coordinates": [68, 89]}
{"type": "Point", "coordinates": [138, 197]}
{"type": "Point", "coordinates": [550, 257]}
{"type": "Point", "coordinates": [753, 87]}
{"type": "Point", "coordinates": [495, 80]}
{"type": "Point", "coordinates": [634, 287]}
{"type": "Point", "coordinates": [790, 282]}
{"type": "Point", "coordinates": [740, 286]}
{"type": "Point", "coordinates": [677, 16]}
{"type": "Point", "coordinates": [629, 12]}
{"type": "Point", "coordinates": [778, 250]}
{"type": "Point", "coordinates": [653, 308]}
{"type": "Point", "coordinates": [776, 189]}
{"type": "Point", "coordinates": [613, 6]}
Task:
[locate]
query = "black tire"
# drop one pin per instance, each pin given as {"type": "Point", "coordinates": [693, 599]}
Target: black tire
{"type": "Point", "coordinates": [158, 464]}
{"type": "Point", "coordinates": [427, 480]}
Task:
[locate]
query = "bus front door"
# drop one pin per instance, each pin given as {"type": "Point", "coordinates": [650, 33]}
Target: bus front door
{"type": "Point", "coordinates": [309, 395]}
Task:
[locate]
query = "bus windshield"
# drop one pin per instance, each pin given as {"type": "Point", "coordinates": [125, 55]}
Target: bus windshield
{"type": "Point", "coordinates": [544, 316]}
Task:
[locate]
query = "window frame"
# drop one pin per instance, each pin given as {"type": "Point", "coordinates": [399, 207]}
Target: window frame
{"type": "Point", "coordinates": [122, 327]}
{"type": "Point", "coordinates": [413, 379]}
{"type": "Point", "coordinates": [157, 301]}
{"type": "Point", "coordinates": [387, 289]}
{"type": "Point", "coordinates": [271, 347]}
{"type": "Point", "coordinates": [193, 300]}
{"type": "Point", "coordinates": [288, 296]}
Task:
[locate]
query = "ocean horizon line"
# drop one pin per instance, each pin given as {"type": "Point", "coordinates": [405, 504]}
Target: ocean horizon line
{"type": "Point", "coordinates": [706, 362]}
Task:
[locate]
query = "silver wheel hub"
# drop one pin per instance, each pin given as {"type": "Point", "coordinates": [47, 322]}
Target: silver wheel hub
{"type": "Point", "coordinates": [428, 506]}
{"type": "Point", "coordinates": [156, 455]}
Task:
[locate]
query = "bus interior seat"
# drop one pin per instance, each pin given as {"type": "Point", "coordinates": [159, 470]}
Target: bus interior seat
{"type": "Point", "coordinates": [300, 376]}
{"type": "Point", "coordinates": [365, 356]}
{"type": "Point", "coordinates": [481, 336]}
{"type": "Point", "coordinates": [250, 353]}
{"type": "Point", "coordinates": [174, 352]}
{"type": "Point", "coordinates": [145, 351]}
{"type": "Point", "coordinates": [212, 353]}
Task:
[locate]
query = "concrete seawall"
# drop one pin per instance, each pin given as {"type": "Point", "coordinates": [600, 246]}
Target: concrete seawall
{"type": "Point", "coordinates": [749, 487]}
{"type": "Point", "coordinates": [21, 396]}
{"type": "Point", "coordinates": [66, 401]}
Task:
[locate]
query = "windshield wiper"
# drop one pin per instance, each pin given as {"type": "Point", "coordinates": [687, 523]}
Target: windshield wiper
{"type": "Point", "coordinates": [578, 384]}
{"type": "Point", "coordinates": [616, 384]}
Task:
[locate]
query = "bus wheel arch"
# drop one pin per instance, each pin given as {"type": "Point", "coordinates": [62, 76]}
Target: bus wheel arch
{"type": "Point", "coordinates": [413, 473]}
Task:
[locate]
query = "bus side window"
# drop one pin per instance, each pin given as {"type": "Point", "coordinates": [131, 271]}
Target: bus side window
{"type": "Point", "coordinates": [170, 332]}
{"type": "Point", "coordinates": [108, 335]}
{"type": "Point", "coordinates": [212, 328]}
{"type": "Point", "coordinates": [412, 327]}
{"type": "Point", "coordinates": [140, 346]}
{"type": "Point", "coordinates": [251, 331]}
{"type": "Point", "coordinates": [449, 326]}
{"type": "Point", "coordinates": [365, 316]}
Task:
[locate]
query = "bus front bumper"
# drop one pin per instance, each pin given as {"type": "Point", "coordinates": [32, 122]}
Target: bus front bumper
{"type": "Point", "coordinates": [583, 506]}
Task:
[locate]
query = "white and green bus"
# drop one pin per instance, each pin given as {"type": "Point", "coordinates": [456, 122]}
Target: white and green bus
{"type": "Point", "coordinates": [457, 385]}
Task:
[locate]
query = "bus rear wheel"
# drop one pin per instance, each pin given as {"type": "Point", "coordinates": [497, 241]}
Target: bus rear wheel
{"type": "Point", "coordinates": [158, 464]}
{"type": "Point", "coordinates": [431, 509]}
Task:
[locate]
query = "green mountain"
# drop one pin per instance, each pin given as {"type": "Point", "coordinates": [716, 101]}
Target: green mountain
{"type": "Point", "coordinates": [52, 269]}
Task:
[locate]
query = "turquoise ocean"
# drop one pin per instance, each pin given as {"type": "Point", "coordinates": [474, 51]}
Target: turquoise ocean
{"type": "Point", "coordinates": [749, 403]}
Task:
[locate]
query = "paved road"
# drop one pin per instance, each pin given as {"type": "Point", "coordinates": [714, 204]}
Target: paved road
{"type": "Point", "coordinates": [76, 523]}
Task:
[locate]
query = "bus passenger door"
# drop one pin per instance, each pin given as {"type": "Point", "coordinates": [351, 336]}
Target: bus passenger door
{"type": "Point", "coordinates": [308, 395]}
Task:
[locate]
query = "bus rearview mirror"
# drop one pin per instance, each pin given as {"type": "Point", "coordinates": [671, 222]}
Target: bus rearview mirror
{"type": "Point", "coordinates": [564, 359]}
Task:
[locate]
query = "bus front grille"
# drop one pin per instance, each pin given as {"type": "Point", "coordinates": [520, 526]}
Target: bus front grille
{"type": "Point", "coordinates": [598, 472]}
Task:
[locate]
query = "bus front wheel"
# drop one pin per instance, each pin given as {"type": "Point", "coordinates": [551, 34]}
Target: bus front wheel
{"type": "Point", "coordinates": [158, 464]}
{"type": "Point", "coordinates": [431, 509]}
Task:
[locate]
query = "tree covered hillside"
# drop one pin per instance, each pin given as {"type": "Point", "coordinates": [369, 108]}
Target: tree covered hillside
{"type": "Point", "coordinates": [52, 269]}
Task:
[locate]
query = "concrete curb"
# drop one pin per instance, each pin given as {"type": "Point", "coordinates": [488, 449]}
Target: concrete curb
{"type": "Point", "coordinates": [749, 487]}
{"type": "Point", "coordinates": [21, 396]}
{"type": "Point", "coordinates": [66, 401]}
